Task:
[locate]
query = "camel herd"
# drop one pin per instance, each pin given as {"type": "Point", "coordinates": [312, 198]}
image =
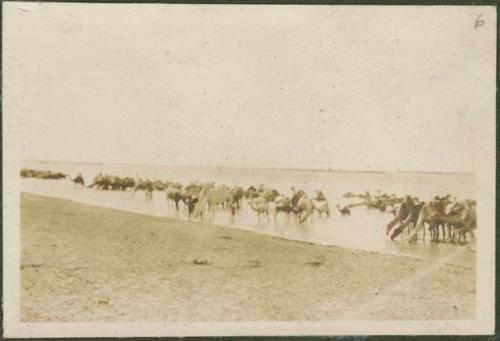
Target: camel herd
{"type": "Point", "coordinates": [449, 218]}
{"type": "Point", "coordinates": [455, 222]}
{"type": "Point", "coordinates": [203, 199]}
{"type": "Point", "coordinates": [31, 173]}
{"type": "Point", "coordinates": [455, 219]}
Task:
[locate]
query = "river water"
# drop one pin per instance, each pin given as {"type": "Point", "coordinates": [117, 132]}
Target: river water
{"type": "Point", "coordinates": [364, 229]}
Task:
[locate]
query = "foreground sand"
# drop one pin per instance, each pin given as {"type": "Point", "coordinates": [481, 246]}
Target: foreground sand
{"type": "Point", "coordinates": [84, 263]}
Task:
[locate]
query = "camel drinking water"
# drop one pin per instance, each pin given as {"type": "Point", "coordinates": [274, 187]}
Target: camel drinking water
{"type": "Point", "coordinates": [409, 221]}
{"type": "Point", "coordinates": [402, 214]}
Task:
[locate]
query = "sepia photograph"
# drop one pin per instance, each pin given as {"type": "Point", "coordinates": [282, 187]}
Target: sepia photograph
{"type": "Point", "coordinates": [183, 170]}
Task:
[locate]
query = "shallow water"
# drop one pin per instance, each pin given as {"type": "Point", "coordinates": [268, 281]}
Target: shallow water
{"type": "Point", "coordinates": [364, 229]}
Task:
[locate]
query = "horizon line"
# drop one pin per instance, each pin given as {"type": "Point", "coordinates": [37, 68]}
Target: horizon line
{"type": "Point", "coordinates": [335, 170]}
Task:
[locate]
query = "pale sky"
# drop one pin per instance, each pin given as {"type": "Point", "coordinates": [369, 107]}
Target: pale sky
{"type": "Point", "coordinates": [356, 88]}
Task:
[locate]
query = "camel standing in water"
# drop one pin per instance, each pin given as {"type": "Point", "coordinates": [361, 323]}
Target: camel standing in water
{"type": "Point", "coordinates": [189, 194]}
{"type": "Point", "coordinates": [269, 194]}
{"type": "Point", "coordinates": [238, 193]}
{"type": "Point", "coordinates": [410, 220]}
{"type": "Point", "coordinates": [282, 204]}
{"type": "Point", "coordinates": [78, 180]}
{"type": "Point", "coordinates": [402, 214]}
{"type": "Point", "coordinates": [260, 205]}
{"type": "Point", "coordinates": [173, 193]}
{"type": "Point", "coordinates": [146, 186]}
{"type": "Point", "coordinates": [101, 182]}
{"type": "Point", "coordinates": [431, 213]}
{"type": "Point", "coordinates": [320, 204]}
{"type": "Point", "coordinates": [251, 192]}
{"type": "Point", "coordinates": [296, 195]}
{"type": "Point", "coordinates": [159, 185]}
{"type": "Point", "coordinates": [305, 208]}
{"type": "Point", "coordinates": [213, 197]}
{"type": "Point", "coordinates": [440, 204]}
{"type": "Point", "coordinates": [461, 220]}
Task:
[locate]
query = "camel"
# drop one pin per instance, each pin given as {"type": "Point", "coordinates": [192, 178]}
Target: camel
{"type": "Point", "coordinates": [369, 202]}
{"type": "Point", "coordinates": [402, 214]}
{"type": "Point", "coordinates": [211, 198]}
{"type": "Point", "coordinates": [321, 207]}
{"type": "Point", "coordinates": [296, 195]}
{"type": "Point", "coordinates": [102, 182]}
{"type": "Point", "coordinates": [191, 190]}
{"type": "Point", "coordinates": [113, 182]}
{"type": "Point", "coordinates": [238, 193]}
{"type": "Point", "coordinates": [431, 214]}
{"type": "Point", "coordinates": [382, 201]}
{"type": "Point", "coordinates": [344, 211]}
{"type": "Point", "coordinates": [31, 173]}
{"type": "Point", "coordinates": [116, 183]}
{"type": "Point", "coordinates": [365, 195]}
{"type": "Point", "coordinates": [50, 175]}
{"type": "Point", "coordinates": [320, 204]}
{"type": "Point", "coordinates": [410, 220]}
{"type": "Point", "coordinates": [159, 185]}
{"type": "Point", "coordinates": [191, 205]}
{"type": "Point", "coordinates": [228, 202]}
{"type": "Point", "coordinates": [305, 208]}
{"type": "Point", "coordinates": [27, 173]}
{"type": "Point", "coordinates": [456, 209]}
{"type": "Point", "coordinates": [127, 182]}
{"type": "Point", "coordinates": [78, 180]}
{"type": "Point", "coordinates": [191, 195]}
{"type": "Point", "coordinates": [440, 205]}
{"type": "Point", "coordinates": [460, 220]}
{"type": "Point", "coordinates": [251, 192]}
{"type": "Point", "coordinates": [146, 186]}
{"type": "Point", "coordinates": [269, 194]}
{"type": "Point", "coordinates": [260, 205]}
{"type": "Point", "coordinates": [282, 204]}
{"type": "Point", "coordinates": [320, 196]}
{"type": "Point", "coordinates": [374, 203]}
{"type": "Point", "coordinates": [173, 193]}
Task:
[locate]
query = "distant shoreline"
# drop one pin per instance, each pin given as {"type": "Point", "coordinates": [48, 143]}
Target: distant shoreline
{"type": "Point", "coordinates": [326, 170]}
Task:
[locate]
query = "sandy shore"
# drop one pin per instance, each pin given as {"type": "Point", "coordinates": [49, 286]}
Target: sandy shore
{"type": "Point", "coordinates": [85, 263]}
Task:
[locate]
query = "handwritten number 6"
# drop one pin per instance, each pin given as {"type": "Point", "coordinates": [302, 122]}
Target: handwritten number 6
{"type": "Point", "coordinates": [479, 22]}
